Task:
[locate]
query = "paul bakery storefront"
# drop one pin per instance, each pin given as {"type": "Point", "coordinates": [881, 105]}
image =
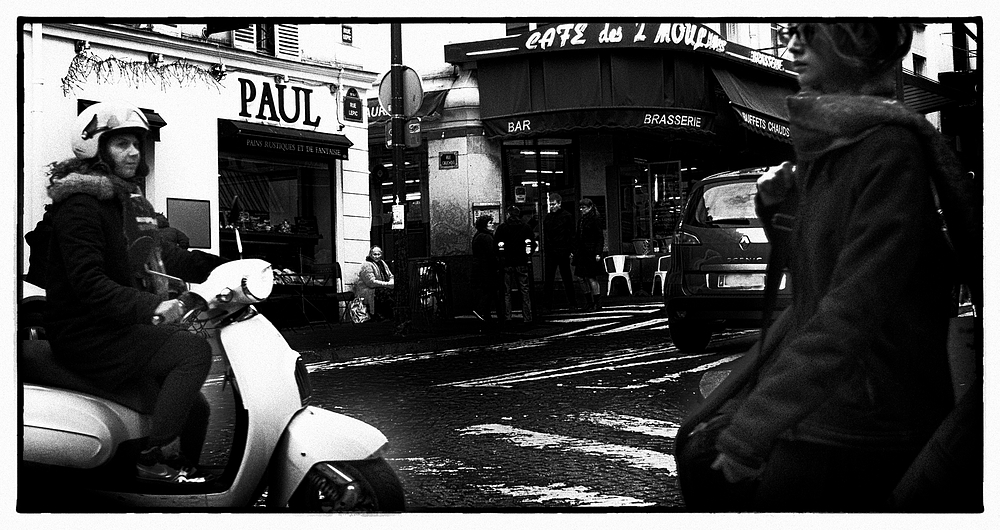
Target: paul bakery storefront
{"type": "Point", "coordinates": [275, 148]}
{"type": "Point", "coordinates": [628, 115]}
{"type": "Point", "coordinates": [277, 183]}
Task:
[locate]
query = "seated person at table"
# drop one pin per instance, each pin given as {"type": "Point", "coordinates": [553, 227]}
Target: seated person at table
{"type": "Point", "coordinates": [375, 284]}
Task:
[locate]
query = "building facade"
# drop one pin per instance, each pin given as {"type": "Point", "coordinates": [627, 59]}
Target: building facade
{"type": "Point", "coordinates": [629, 115]}
{"type": "Point", "coordinates": [261, 126]}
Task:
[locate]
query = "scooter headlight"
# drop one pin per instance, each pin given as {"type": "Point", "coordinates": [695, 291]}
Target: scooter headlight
{"type": "Point", "coordinates": [257, 285]}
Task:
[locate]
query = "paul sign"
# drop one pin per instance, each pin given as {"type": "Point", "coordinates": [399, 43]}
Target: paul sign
{"type": "Point", "coordinates": [275, 104]}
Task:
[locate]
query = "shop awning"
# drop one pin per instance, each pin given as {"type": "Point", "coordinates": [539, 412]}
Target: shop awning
{"type": "Point", "coordinates": [925, 95]}
{"type": "Point", "coordinates": [258, 138]}
{"type": "Point", "coordinates": [430, 107]}
{"type": "Point", "coordinates": [760, 105]}
{"type": "Point", "coordinates": [156, 122]}
{"type": "Point", "coordinates": [530, 125]}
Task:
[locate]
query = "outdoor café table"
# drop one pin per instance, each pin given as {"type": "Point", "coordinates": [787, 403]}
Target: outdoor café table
{"type": "Point", "coordinates": [641, 272]}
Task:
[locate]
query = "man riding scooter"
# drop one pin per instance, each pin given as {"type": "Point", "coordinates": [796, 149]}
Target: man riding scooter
{"type": "Point", "coordinates": [106, 281]}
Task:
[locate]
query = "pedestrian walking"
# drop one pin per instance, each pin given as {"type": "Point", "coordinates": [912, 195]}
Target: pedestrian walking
{"type": "Point", "coordinates": [485, 272]}
{"type": "Point", "coordinates": [558, 236]}
{"type": "Point", "coordinates": [515, 243]}
{"type": "Point", "coordinates": [853, 378]}
{"type": "Point", "coordinates": [589, 246]}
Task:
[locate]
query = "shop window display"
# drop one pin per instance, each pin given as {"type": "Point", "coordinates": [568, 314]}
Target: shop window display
{"type": "Point", "coordinates": [283, 211]}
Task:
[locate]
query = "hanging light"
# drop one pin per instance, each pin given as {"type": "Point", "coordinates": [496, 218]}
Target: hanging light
{"type": "Point", "coordinates": [218, 71]}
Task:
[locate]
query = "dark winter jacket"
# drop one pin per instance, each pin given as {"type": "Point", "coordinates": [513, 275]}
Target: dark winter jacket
{"type": "Point", "coordinates": [589, 244]}
{"type": "Point", "coordinates": [559, 232]}
{"type": "Point", "coordinates": [484, 257]}
{"type": "Point", "coordinates": [171, 235]}
{"type": "Point", "coordinates": [104, 237]}
{"type": "Point", "coordinates": [512, 234]}
{"type": "Point", "coordinates": [859, 359]}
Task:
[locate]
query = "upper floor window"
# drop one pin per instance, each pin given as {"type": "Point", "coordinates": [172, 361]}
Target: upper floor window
{"type": "Point", "coordinates": [279, 40]}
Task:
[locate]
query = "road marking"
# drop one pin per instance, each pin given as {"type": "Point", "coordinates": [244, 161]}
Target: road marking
{"type": "Point", "coordinates": [432, 466]}
{"type": "Point", "coordinates": [602, 364]}
{"type": "Point", "coordinates": [631, 456]}
{"type": "Point", "coordinates": [695, 370]}
{"type": "Point", "coordinates": [631, 327]}
{"type": "Point", "coordinates": [637, 424]}
{"type": "Point", "coordinates": [580, 496]}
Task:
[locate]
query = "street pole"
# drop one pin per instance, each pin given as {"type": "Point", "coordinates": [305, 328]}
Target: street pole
{"type": "Point", "coordinates": [401, 311]}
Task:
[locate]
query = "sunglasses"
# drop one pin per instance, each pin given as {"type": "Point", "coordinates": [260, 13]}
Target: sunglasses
{"type": "Point", "coordinates": [804, 32]}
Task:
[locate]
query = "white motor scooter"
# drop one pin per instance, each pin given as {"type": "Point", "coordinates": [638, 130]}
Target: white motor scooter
{"type": "Point", "coordinates": [79, 443]}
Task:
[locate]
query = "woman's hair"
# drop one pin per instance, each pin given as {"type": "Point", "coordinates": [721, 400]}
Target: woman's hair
{"type": "Point", "coordinates": [483, 222]}
{"type": "Point", "coordinates": [870, 49]}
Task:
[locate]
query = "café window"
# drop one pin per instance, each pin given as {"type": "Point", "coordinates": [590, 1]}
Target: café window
{"type": "Point", "coordinates": [652, 197]}
{"type": "Point", "coordinates": [282, 208]}
{"type": "Point", "coordinates": [533, 169]}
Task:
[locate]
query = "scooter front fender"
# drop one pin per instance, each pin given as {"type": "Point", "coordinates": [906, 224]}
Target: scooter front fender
{"type": "Point", "coordinates": [318, 435]}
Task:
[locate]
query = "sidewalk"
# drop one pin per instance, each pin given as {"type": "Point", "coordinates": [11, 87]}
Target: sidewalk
{"type": "Point", "coordinates": [345, 340]}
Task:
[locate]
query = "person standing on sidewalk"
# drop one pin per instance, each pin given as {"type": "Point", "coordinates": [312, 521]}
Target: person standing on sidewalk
{"type": "Point", "coordinates": [558, 236]}
{"type": "Point", "coordinates": [485, 271]}
{"type": "Point", "coordinates": [589, 245]}
{"type": "Point", "coordinates": [515, 244]}
{"type": "Point", "coordinates": [853, 379]}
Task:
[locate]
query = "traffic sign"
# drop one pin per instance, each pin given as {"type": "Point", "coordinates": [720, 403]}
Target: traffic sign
{"type": "Point", "coordinates": [413, 91]}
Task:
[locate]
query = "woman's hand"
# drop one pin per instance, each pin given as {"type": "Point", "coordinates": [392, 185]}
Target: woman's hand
{"type": "Point", "coordinates": [773, 186]}
{"type": "Point", "coordinates": [734, 470]}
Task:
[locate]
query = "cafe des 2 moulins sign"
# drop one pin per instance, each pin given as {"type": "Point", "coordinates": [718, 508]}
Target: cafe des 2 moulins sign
{"type": "Point", "coordinates": [275, 110]}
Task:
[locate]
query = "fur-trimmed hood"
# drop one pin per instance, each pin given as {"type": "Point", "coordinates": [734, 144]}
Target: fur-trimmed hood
{"type": "Point", "coordinates": [99, 185]}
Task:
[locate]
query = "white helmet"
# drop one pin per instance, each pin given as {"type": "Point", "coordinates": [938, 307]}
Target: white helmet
{"type": "Point", "coordinates": [100, 118]}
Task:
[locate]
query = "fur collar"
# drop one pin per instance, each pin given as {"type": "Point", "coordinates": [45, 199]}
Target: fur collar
{"type": "Point", "coordinates": [98, 185]}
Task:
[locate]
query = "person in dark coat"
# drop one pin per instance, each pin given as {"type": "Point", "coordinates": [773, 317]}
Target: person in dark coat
{"type": "Point", "coordinates": [103, 289]}
{"type": "Point", "coordinates": [589, 246]}
{"type": "Point", "coordinates": [485, 272]}
{"type": "Point", "coordinates": [515, 243]}
{"type": "Point", "coordinates": [855, 377]}
{"type": "Point", "coordinates": [558, 235]}
{"type": "Point", "coordinates": [171, 235]}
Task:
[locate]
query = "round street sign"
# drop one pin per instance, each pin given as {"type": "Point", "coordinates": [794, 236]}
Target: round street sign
{"type": "Point", "coordinates": [413, 92]}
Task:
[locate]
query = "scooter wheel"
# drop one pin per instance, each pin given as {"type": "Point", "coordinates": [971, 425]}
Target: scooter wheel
{"type": "Point", "coordinates": [363, 486]}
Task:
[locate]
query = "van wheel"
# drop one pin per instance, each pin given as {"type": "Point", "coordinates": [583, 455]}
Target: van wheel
{"type": "Point", "coordinates": [690, 336]}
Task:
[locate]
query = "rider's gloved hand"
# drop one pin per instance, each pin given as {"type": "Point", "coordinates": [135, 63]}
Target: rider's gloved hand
{"type": "Point", "coordinates": [169, 311]}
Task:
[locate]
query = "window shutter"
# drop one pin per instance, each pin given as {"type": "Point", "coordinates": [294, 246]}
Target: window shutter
{"type": "Point", "coordinates": [245, 38]}
{"type": "Point", "coordinates": [287, 41]}
{"type": "Point", "coordinates": [167, 29]}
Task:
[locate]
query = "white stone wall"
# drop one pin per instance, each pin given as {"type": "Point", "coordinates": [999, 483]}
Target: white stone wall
{"type": "Point", "coordinates": [185, 159]}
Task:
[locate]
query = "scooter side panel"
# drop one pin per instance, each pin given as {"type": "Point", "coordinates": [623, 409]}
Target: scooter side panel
{"type": "Point", "coordinates": [74, 430]}
{"type": "Point", "coordinates": [318, 435]}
